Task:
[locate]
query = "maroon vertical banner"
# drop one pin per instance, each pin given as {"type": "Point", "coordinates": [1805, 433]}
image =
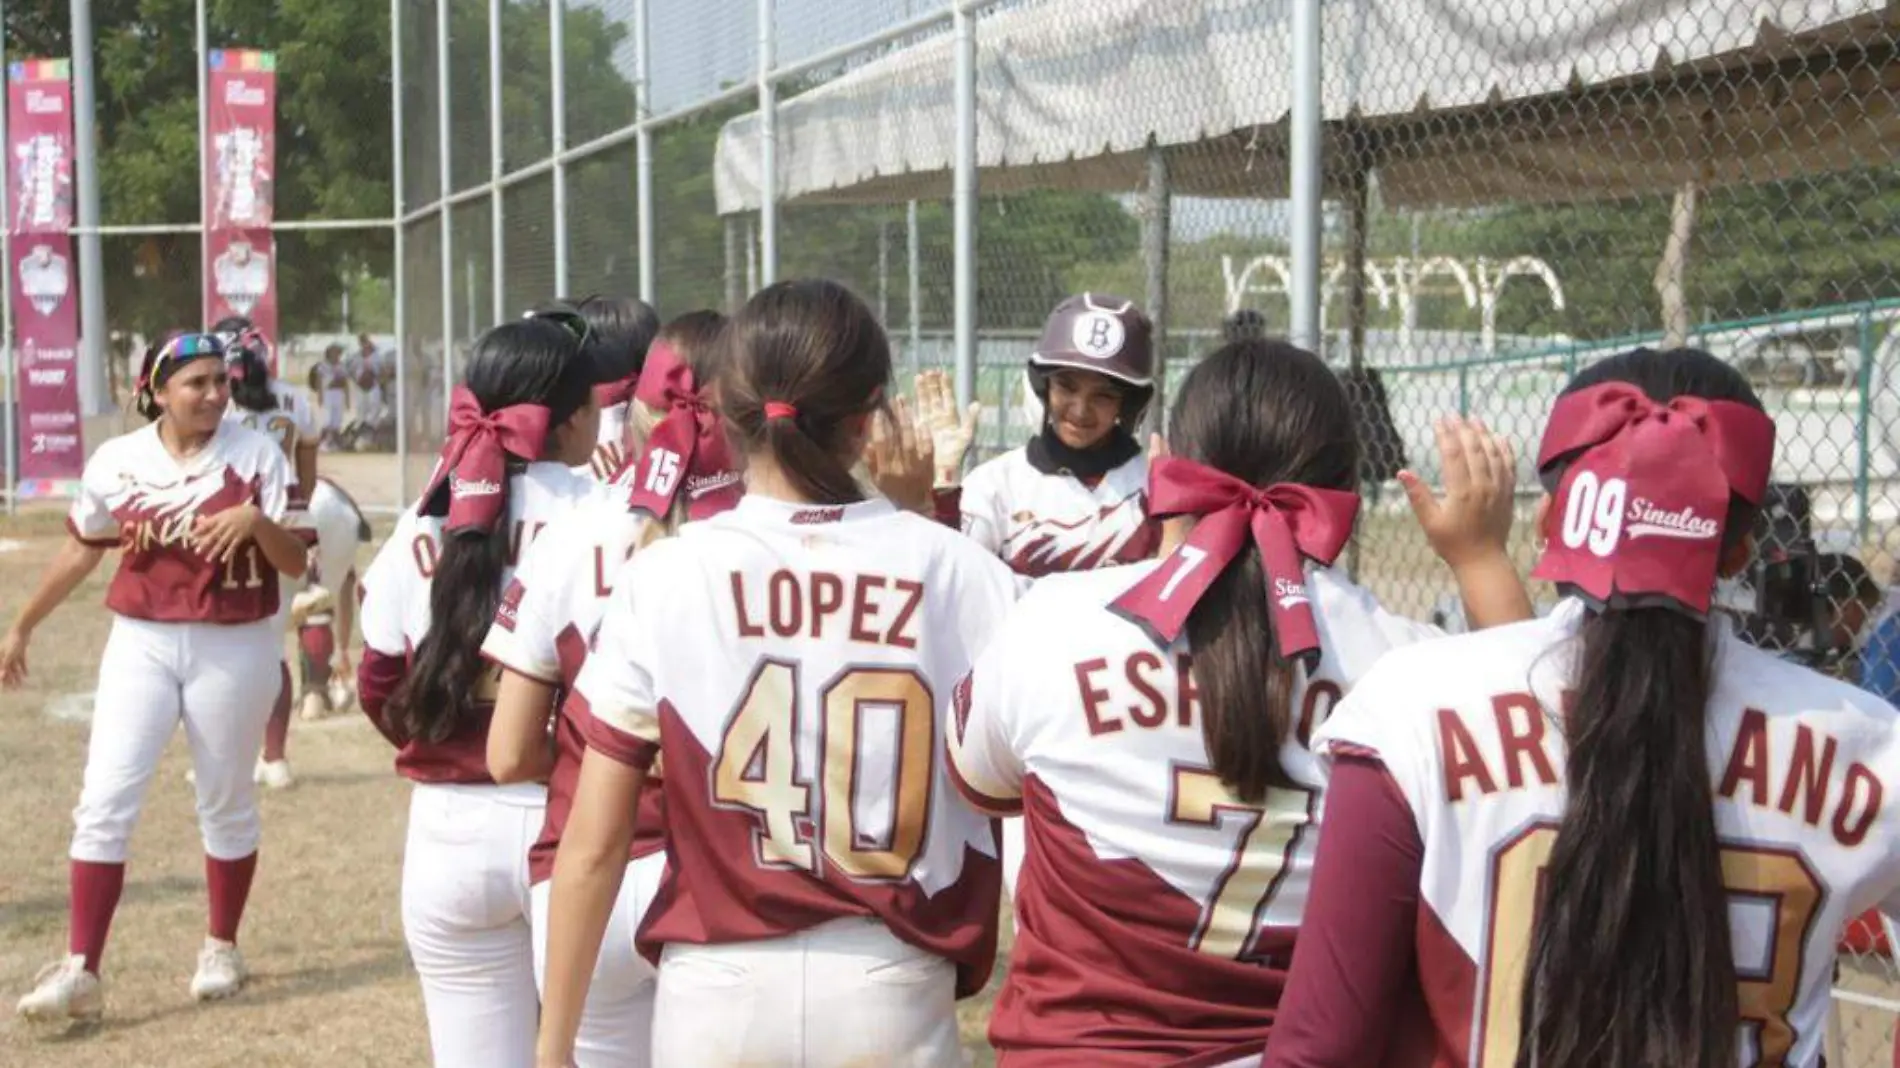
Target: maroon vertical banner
{"type": "Point", "coordinates": [242, 278]}
{"type": "Point", "coordinates": [240, 268]}
{"type": "Point", "coordinates": [40, 275]}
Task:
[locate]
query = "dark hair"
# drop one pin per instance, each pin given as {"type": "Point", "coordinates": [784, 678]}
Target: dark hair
{"type": "Point", "coordinates": [1631, 962]}
{"type": "Point", "coordinates": [622, 328]}
{"type": "Point", "coordinates": [231, 324]}
{"type": "Point", "coordinates": [152, 378]}
{"type": "Point", "coordinates": [696, 336]}
{"type": "Point", "coordinates": [524, 361]}
{"type": "Point", "coordinates": [814, 346]}
{"type": "Point", "coordinates": [1263, 412]}
{"type": "Point", "coordinates": [250, 379]}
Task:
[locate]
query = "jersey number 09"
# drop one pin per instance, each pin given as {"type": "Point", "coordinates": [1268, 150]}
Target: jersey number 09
{"type": "Point", "coordinates": [758, 770]}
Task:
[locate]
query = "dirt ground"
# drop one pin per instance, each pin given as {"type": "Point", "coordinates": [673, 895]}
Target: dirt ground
{"type": "Point", "coordinates": [332, 984]}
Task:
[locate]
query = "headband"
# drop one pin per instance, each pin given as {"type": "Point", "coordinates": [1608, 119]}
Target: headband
{"type": "Point", "coordinates": [686, 449]}
{"type": "Point", "coordinates": [178, 350]}
{"type": "Point", "coordinates": [1638, 517]}
{"type": "Point", "coordinates": [1287, 521]}
{"type": "Point", "coordinates": [473, 466]}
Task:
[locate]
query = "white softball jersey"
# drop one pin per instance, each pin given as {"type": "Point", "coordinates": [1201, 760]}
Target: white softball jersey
{"type": "Point", "coordinates": [1042, 524]}
{"type": "Point", "coordinates": [134, 496]}
{"type": "Point", "coordinates": [793, 663]}
{"type": "Point", "coordinates": [1801, 766]}
{"type": "Point", "coordinates": [1156, 912]}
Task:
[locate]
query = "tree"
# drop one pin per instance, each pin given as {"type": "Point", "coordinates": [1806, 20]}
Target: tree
{"type": "Point", "coordinates": [332, 148]}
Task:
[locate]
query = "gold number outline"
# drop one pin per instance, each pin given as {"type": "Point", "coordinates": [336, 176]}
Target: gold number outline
{"type": "Point", "coordinates": [1766, 1002]}
{"type": "Point", "coordinates": [1236, 938]}
{"type": "Point", "coordinates": [788, 837]}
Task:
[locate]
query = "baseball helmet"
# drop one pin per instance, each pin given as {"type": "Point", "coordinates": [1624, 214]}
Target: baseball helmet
{"type": "Point", "coordinates": [1102, 333]}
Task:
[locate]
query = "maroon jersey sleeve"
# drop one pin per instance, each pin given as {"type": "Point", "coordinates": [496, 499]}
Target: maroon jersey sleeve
{"type": "Point", "coordinates": [377, 676]}
{"type": "Point", "coordinates": [1353, 960]}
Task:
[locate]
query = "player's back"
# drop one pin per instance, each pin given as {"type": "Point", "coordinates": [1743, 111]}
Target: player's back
{"type": "Point", "coordinates": [1801, 765]}
{"type": "Point", "coordinates": [397, 598]}
{"type": "Point", "coordinates": [287, 424]}
{"type": "Point", "coordinates": [1156, 912]}
{"type": "Point", "coordinates": [791, 661]}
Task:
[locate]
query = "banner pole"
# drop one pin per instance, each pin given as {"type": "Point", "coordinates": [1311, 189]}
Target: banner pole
{"type": "Point", "coordinates": [6, 304]}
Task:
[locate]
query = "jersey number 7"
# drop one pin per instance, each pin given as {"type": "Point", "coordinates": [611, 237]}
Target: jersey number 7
{"type": "Point", "coordinates": [758, 770]}
{"type": "Point", "coordinates": [1269, 833]}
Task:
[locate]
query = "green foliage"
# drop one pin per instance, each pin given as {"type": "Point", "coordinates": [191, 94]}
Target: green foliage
{"type": "Point", "coordinates": [333, 142]}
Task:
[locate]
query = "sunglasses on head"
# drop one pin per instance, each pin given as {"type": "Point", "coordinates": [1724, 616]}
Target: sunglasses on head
{"type": "Point", "coordinates": [567, 319]}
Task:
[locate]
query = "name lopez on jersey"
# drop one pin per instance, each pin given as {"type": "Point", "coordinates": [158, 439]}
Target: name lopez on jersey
{"type": "Point", "coordinates": [874, 609]}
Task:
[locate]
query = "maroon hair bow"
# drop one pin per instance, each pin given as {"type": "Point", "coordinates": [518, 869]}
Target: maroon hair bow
{"type": "Point", "coordinates": [686, 450]}
{"type": "Point", "coordinates": [1640, 511]}
{"type": "Point", "coordinates": [472, 472]}
{"type": "Point", "coordinates": [1287, 521]}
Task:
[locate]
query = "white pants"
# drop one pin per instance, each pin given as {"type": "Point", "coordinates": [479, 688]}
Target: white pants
{"type": "Point", "coordinates": [844, 993]}
{"type": "Point", "coordinates": [333, 409]}
{"type": "Point", "coordinates": [617, 1023]}
{"type": "Point", "coordinates": [465, 916]}
{"type": "Point", "coordinates": [218, 681]}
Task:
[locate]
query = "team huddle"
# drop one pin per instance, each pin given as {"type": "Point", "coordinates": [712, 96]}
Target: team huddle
{"type": "Point", "coordinates": [734, 709]}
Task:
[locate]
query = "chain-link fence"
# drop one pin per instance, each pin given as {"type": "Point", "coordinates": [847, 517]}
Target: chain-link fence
{"type": "Point", "coordinates": [1510, 191]}
{"type": "Point", "coordinates": [154, 74]}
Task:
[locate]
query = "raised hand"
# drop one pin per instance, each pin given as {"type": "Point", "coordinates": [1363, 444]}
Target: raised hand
{"type": "Point", "coordinates": [1471, 517]}
{"type": "Point", "coordinates": [938, 420]}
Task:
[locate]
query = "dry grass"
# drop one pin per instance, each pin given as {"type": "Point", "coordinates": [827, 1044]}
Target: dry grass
{"type": "Point", "coordinates": [331, 982]}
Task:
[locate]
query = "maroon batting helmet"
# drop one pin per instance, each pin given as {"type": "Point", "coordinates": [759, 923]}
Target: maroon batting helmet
{"type": "Point", "coordinates": [1102, 333]}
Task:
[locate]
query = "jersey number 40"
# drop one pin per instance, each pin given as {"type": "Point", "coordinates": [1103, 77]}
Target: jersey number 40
{"type": "Point", "coordinates": [758, 770]}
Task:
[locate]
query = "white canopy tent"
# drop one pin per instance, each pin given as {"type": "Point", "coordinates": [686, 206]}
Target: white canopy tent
{"type": "Point", "coordinates": [1450, 102]}
{"type": "Point", "coordinates": [1521, 100]}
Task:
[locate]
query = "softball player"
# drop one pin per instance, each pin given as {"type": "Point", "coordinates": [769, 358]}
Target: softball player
{"type": "Point", "coordinates": [325, 613]}
{"type": "Point", "coordinates": [826, 897]}
{"type": "Point", "coordinates": [1616, 835]}
{"type": "Point", "coordinates": [330, 380]}
{"type": "Point", "coordinates": [544, 628]}
{"type": "Point", "coordinates": [1073, 497]}
{"type": "Point", "coordinates": [1173, 811]}
{"type": "Point", "coordinates": [620, 329]}
{"type": "Point", "coordinates": [280, 413]}
{"type": "Point", "coordinates": [192, 502]}
{"type": "Point", "coordinates": [521, 421]}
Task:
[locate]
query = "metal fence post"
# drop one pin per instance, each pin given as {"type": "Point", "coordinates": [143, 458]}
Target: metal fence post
{"type": "Point", "coordinates": [964, 187]}
{"type": "Point", "coordinates": [768, 149]}
{"type": "Point", "coordinates": [557, 74]}
{"type": "Point", "coordinates": [1863, 422]}
{"type": "Point", "coordinates": [399, 270]}
{"type": "Point", "coordinates": [643, 148]}
{"type": "Point", "coordinates": [447, 180]}
{"type": "Point", "coordinates": [497, 232]}
{"type": "Point", "coordinates": [915, 297]}
{"type": "Point", "coordinates": [92, 272]}
{"type": "Point", "coordinates": [1303, 221]}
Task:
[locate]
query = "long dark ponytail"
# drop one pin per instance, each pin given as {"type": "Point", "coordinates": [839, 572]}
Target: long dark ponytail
{"type": "Point", "coordinates": [250, 379]}
{"type": "Point", "coordinates": [528, 361]}
{"type": "Point", "coordinates": [1264, 412]}
{"type": "Point", "coordinates": [1631, 963]}
{"type": "Point", "coordinates": [803, 359]}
